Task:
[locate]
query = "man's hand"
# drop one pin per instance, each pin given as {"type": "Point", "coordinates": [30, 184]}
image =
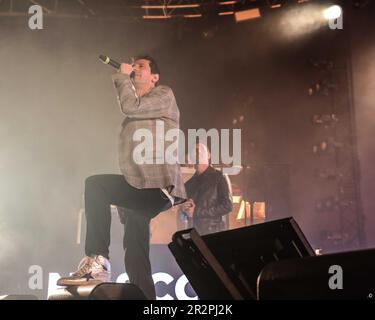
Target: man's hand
{"type": "Point", "coordinates": [188, 207]}
{"type": "Point", "coordinates": [126, 68]}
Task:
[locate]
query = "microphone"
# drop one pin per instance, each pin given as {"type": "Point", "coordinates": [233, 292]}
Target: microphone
{"type": "Point", "coordinates": [108, 60]}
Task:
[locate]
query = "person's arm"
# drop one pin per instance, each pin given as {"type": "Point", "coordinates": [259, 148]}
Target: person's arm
{"type": "Point", "coordinates": [155, 104]}
{"type": "Point", "coordinates": [223, 203]}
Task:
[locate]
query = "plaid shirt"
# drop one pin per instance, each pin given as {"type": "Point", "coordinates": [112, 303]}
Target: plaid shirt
{"type": "Point", "coordinates": [143, 113]}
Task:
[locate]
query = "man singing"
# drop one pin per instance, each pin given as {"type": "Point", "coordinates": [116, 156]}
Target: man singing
{"type": "Point", "coordinates": [143, 190]}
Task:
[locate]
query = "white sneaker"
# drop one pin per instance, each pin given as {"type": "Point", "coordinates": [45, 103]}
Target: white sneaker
{"type": "Point", "coordinates": [91, 270]}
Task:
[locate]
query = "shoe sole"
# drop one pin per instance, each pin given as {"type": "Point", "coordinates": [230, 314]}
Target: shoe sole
{"type": "Point", "coordinates": [72, 283]}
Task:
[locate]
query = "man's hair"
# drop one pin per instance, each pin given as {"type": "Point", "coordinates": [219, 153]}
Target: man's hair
{"type": "Point", "coordinates": [153, 65]}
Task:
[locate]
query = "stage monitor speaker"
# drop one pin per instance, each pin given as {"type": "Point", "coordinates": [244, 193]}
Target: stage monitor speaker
{"type": "Point", "coordinates": [226, 265]}
{"type": "Point", "coordinates": [117, 291]}
{"type": "Point", "coordinates": [18, 297]}
{"type": "Point", "coordinates": [346, 275]}
{"type": "Point", "coordinates": [102, 291]}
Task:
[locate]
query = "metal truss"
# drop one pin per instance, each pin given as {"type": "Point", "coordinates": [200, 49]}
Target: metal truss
{"type": "Point", "coordinates": [133, 9]}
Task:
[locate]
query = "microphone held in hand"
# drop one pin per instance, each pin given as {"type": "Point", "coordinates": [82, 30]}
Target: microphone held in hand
{"type": "Point", "coordinates": [108, 60]}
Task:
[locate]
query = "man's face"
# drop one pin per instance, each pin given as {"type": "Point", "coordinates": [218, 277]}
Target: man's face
{"type": "Point", "coordinates": [201, 154]}
{"type": "Point", "coordinates": [142, 73]}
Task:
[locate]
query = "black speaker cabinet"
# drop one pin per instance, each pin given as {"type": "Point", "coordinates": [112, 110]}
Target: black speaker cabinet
{"type": "Point", "coordinates": [226, 265]}
{"type": "Point", "coordinates": [346, 275]}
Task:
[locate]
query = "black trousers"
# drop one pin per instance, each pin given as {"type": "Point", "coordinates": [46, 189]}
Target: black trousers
{"type": "Point", "coordinates": [102, 191]}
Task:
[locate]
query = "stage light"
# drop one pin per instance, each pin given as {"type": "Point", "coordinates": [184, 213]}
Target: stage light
{"type": "Point", "coordinates": [157, 17]}
{"type": "Point", "coordinates": [247, 15]}
{"type": "Point", "coordinates": [332, 12]}
{"type": "Point", "coordinates": [240, 213]}
{"type": "Point", "coordinates": [169, 6]}
{"type": "Point", "coordinates": [323, 87]}
{"type": "Point", "coordinates": [227, 13]}
{"type": "Point", "coordinates": [325, 119]}
{"type": "Point", "coordinates": [198, 15]}
{"type": "Point", "coordinates": [327, 146]}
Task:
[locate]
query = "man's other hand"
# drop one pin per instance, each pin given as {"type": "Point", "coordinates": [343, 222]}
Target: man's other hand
{"type": "Point", "coordinates": [188, 207]}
